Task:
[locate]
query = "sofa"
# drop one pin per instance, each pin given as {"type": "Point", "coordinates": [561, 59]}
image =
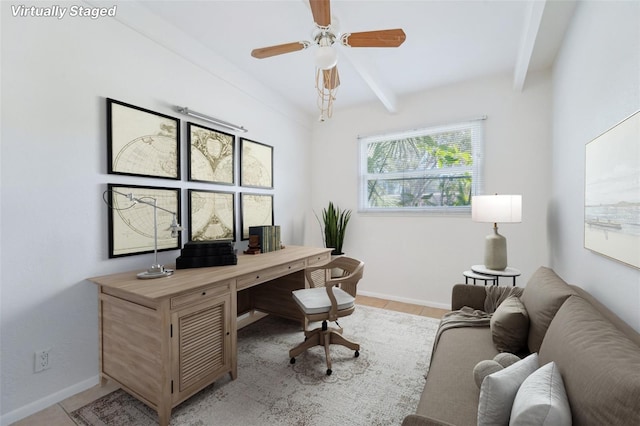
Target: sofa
{"type": "Point", "coordinates": [596, 354]}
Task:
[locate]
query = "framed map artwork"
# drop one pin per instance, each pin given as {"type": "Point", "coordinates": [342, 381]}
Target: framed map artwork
{"type": "Point", "coordinates": [612, 193]}
{"type": "Point", "coordinates": [256, 210]}
{"type": "Point", "coordinates": [211, 155]}
{"type": "Point", "coordinates": [131, 229]}
{"type": "Point", "coordinates": [142, 142]}
{"type": "Point", "coordinates": [211, 215]}
{"type": "Point", "coordinates": [256, 164]}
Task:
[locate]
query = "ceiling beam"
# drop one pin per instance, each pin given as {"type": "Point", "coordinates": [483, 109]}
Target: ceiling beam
{"type": "Point", "coordinates": [369, 73]}
{"type": "Point", "coordinates": [531, 26]}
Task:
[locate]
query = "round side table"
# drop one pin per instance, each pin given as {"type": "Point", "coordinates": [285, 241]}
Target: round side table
{"type": "Point", "coordinates": [507, 272]}
{"type": "Point", "coordinates": [475, 276]}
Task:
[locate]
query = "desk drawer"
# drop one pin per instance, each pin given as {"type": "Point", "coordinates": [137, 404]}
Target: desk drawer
{"type": "Point", "coordinates": [319, 259]}
{"type": "Point", "coordinates": [200, 295]}
{"type": "Point", "coordinates": [249, 280]}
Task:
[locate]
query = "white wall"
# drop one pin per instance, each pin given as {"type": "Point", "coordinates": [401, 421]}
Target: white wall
{"type": "Point", "coordinates": [56, 75]}
{"type": "Point", "coordinates": [418, 258]}
{"type": "Point", "coordinates": [596, 83]}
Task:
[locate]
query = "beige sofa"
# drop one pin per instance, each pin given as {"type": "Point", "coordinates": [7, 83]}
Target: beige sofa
{"type": "Point", "coordinates": [596, 353]}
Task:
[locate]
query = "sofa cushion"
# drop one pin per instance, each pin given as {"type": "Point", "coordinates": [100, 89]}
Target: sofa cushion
{"type": "Point", "coordinates": [541, 400]}
{"type": "Point", "coordinates": [499, 390]}
{"type": "Point", "coordinates": [510, 325]}
{"type": "Point", "coordinates": [599, 364]}
{"type": "Point", "coordinates": [450, 393]}
{"type": "Point", "coordinates": [542, 297]}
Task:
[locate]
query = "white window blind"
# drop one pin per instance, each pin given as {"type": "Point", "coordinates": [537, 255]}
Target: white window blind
{"type": "Point", "coordinates": [435, 169]}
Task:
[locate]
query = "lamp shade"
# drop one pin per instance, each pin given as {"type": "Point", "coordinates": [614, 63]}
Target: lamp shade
{"type": "Point", "coordinates": [496, 208]}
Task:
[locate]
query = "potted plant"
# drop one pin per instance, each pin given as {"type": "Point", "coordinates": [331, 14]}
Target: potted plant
{"type": "Point", "coordinates": [333, 227]}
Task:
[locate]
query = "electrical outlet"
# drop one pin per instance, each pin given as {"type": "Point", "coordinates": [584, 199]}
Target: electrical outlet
{"type": "Point", "coordinates": [42, 360]}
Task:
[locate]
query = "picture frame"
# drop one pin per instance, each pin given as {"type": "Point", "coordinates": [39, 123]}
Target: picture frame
{"type": "Point", "coordinates": [256, 210]}
{"type": "Point", "coordinates": [211, 215]}
{"type": "Point", "coordinates": [141, 142]}
{"type": "Point", "coordinates": [256, 164]}
{"type": "Point", "coordinates": [131, 224]}
{"type": "Point", "coordinates": [211, 155]}
{"type": "Point", "coordinates": [612, 193]}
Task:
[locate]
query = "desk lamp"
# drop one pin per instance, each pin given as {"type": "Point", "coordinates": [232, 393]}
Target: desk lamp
{"type": "Point", "coordinates": [496, 208]}
{"type": "Point", "coordinates": [156, 270]}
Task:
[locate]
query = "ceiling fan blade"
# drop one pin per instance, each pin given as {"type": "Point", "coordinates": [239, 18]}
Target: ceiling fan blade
{"type": "Point", "coordinates": [321, 10]}
{"type": "Point", "coordinates": [266, 52]}
{"type": "Point", "coordinates": [380, 38]}
{"type": "Point", "coordinates": [331, 78]}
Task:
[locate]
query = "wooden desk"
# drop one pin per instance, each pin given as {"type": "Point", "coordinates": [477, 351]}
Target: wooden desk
{"type": "Point", "coordinates": [165, 339]}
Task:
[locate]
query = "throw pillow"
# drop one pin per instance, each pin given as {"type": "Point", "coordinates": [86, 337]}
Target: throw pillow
{"type": "Point", "coordinates": [542, 400]}
{"type": "Point", "coordinates": [544, 294]}
{"type": "Point", "coordinates": [505, 359]}
{"type": "Point", "coordinates": [510, 325]}
{"type": "Point", "coordinates": [499, 389]}
{"type": "Point", "coordinates": [483, 369]}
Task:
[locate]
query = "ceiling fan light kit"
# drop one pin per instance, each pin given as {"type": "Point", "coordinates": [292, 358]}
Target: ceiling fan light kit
{"type": "Point", "coordinates": [326, 56]}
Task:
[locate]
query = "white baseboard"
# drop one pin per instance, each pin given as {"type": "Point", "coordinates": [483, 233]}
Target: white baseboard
{"type": "Point", "coordinates": [47, 401]}
{"type": "Point", "coordinates": [406, 300]}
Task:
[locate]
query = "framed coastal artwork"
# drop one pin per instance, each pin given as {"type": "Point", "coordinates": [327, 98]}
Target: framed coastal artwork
{"type": "Point", "coordinates": [142, 142]}
{"type": "Point", "coordinates": [612, 193]}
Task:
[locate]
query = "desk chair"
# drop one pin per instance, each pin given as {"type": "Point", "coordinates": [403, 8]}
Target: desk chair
{"type": "Point", "coordinates": [331, 295]}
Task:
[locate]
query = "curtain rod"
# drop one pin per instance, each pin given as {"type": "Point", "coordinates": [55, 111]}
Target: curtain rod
{"type": "Point", "coordinates": [479, 118]}
{"type": "Point", "coordinates": [187, 111]}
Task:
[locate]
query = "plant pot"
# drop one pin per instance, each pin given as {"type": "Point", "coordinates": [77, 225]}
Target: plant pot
{"type": "Point", "coordinates": [336, 272]}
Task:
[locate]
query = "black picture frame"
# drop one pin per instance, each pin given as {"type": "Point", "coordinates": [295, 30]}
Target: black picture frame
{"type": "Point", "coordinates": [255, 210]}
{"type": "Point", "coordinates": [131, 224]}
{"type": "Point", "coordinates": [256, 164]}
{"type": "Point", "coordinates": [211, 155]}
{"type": "Point", "coordinates": [141, 142]}
{"type": "Point", "coordinates": [212, 215]}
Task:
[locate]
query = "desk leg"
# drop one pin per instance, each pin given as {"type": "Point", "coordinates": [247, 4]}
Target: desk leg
{"type": "Point", "coordinates": [164, 414]}
{"type": "Point", "coordinates": [514, 281]}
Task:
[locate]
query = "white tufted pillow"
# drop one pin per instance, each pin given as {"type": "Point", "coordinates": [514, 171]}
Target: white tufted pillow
{"type": "Point", "coordinates": [542, 400]}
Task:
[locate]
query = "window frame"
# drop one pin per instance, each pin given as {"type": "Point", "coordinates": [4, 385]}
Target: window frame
{"type": "Point", "coordinates": [477, 182]}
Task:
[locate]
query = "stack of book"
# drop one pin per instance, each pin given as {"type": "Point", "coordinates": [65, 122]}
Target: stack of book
{"type": "Point", "coordinates": [200, 254]}
{"type": "Point", "coordinates": [269, 237]}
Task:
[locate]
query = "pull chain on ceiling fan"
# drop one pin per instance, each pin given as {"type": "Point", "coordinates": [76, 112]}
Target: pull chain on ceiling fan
{"type": "Point", "coordinates": [326, 58]}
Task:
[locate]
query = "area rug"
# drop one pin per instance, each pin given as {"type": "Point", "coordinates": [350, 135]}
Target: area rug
{"type": "Point", "coordinates": [380, 387]}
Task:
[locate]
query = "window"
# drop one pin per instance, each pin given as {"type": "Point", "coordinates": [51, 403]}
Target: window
{"type": "Point", "coordinates": [435, 169]}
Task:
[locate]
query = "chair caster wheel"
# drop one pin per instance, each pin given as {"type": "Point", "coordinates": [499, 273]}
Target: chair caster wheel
{"type": "Point", "coordinates": [357, 354]}
{"type": "Point", "coordinates": [328, 371]}
{"type": "Point", "coordinates": [292, 361]}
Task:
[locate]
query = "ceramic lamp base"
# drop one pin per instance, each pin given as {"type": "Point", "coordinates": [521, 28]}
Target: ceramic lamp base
{"type": "Point", "coordinates": [495, 251]}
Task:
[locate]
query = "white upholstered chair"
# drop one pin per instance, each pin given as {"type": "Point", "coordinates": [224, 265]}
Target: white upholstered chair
{"type": "Point", "coordinates": [331, 295]}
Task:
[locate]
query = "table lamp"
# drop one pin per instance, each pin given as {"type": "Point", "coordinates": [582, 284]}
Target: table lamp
{"type": "Point", "coordinates": [496, 208]}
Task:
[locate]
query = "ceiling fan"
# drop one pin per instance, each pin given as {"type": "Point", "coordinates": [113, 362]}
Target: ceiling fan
{"type": "Point", "coordinates": [324, 36]}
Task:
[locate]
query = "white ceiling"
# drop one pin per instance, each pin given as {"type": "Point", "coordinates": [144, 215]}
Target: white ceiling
{"type": "Point", "coordinates": [448, 41]}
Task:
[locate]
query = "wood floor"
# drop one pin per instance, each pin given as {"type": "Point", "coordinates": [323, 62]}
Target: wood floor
{"type": "Point", "coordinates": [57, 415]}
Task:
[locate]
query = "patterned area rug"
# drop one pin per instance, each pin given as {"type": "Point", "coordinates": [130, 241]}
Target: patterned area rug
{"type": "Point", "coordinates": [380, 387]}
